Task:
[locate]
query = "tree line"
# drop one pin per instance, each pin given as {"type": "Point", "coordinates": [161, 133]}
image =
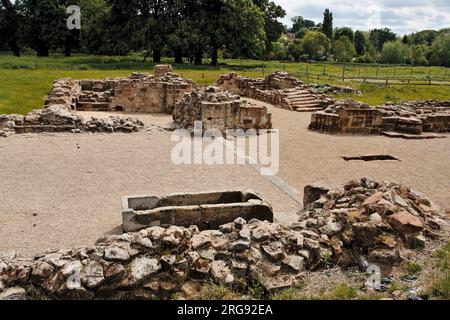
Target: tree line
{"type": "Point", "coordinates": [189, 29]}
{"type": "Point", "coordinates": [307, 41]}
{"type": "Point", "coordinates": [196, 29]}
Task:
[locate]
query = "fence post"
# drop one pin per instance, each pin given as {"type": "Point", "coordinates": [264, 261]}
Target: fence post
{"type": "Point", "coordinates": [324, 69]}
{"type": "Point", "coordinates": [359, 72]}
{"type": "Point", "coordinates": [307, 74]}
{"type": "Point", "coordinates": [429, 77]}
{"type": "Point", "coordinates": [343, 73]}
{"type": "Point", "coordinates": [446, 70]}
{"type": "Point", "coordinates": [376, 77]}
{"type": "Point", "coordinates": [395, 72]}
{"type": "Point", "coordinates": [387, 82]}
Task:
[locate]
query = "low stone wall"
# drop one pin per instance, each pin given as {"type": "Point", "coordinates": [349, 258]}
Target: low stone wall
{"type": "Point", "coordinates": [363, 222]}
{"type": "Point", "coordinates": [221, 110]}
{"type": "Point", "coordinates": [412, 118]}
{"type": "Point", "coordinates": [274, 89]}
{"type": "Point", "coordinates": [59, 118]}
{"type": "Point", "coordinates": [137, 93]}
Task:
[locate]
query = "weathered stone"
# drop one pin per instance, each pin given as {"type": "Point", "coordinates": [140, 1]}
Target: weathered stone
{"type": "Point", "coordinates": [240, 246]}
{"type": "Point", "coordinates": [116, 254]}
{"type": "Point", "coordinates": [293, 264]}
{"type": "Point", "coordinates": [313, 193]}
{"type": "Point", "coordinates": [15, 293]}
{"type": "Point", "coordinates": [239, 223]}
{"type": "Point", "coordinates": [273, 251]}
{"type": "Point", "coordinates": [41, 270]}
{"type": "Point", "coordinates": [200, 241]}
{"type": "Point", "coordinates": [374, 199]}
{"type": "Point", "coordinates": [143, 267]}
{"type": "Point", "coordinates": [92, 274]}
{"type": "Point", "coordinates": [274, 284]}
{"type": "Point", "coordinates": [219, 271]}
{"type": "Point", "coordinates": [115, 271]}
{"type": "Point", "coordinates": [405, 222]}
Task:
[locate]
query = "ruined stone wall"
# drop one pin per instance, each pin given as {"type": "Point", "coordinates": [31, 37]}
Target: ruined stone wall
{"type": "Point", "coordinates": [220, 110]}
{"type": "Point", "coordinates": [411, 117]}
{"type": "Point", "coordinates": [137, 93]}
{"type": "Point", "coordinates": [277, 88]}
{"type": "Point", "coordinates": [60, 118]}
{"type": "Point", "coordinates": [363, 221]}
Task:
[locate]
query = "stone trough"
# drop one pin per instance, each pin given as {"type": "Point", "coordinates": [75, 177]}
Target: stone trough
{"type": "Point", "coordinates": [205, 210]}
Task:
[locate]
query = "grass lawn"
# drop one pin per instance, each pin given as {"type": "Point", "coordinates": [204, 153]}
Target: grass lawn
{"type": "Point", "coordinates": [26, 81]}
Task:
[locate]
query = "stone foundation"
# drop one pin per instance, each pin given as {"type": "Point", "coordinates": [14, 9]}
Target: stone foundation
{"type": "Point", "coordinates": [278, 88]}
{"type": "Point", "coordinates": [365, 221]}
{"type": "Point", "coordinates": [220, 110]}
{"type": "Point", "coordinates": [137, 93]}
{"type": "Point", "coordinates": [205, 210]}
{"type": "Point", "coordinates": [356, 118]}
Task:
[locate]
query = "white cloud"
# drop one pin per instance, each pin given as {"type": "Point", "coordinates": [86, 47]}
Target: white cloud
{"type": "Point", "coordinates": [402, 16]}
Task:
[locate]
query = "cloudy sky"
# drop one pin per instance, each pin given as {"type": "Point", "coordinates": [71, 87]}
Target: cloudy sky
{"type": "Point", "coordinates": [402, 16]}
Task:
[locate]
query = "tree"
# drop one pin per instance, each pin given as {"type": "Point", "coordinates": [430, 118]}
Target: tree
{"type": "Point", "coordinates": [327, 25]}
{"type": "Point", "coordinates": [300, 23]}
{"type": "Point", "coordinates": [418, 56]}
{"type": "Point", "coordinates": [344, 32]}
{"type": "Point", "coordinates": [405, 40]}
{"type": "Point", "coordinates": [378, 37]}
{"type": "Point", "coordinates": [295, 49]}
{"type": "Point", "coordinates": [9, 25]}
{"type": "Point", "coordinates": [344, 49]}
{"type": "Point", "coordinates": [393, 52]}
{"type": "Point", "coordinates": [360, 42]}
{"type": "Point", "coordinates": [440, 51]}
{"type": "Point", "coordinates": [44, 24]}
{"type": "Point", "coordinates": [316, 45]}
{"type": "Point", "coordinates": [272, 27]}
{"type": "Point", "coordinates": [245, 15]}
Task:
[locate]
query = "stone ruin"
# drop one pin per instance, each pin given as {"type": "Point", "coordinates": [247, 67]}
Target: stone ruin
{"type": "Point", "coordinates": [59, 118]}
{"type": "Point", "coordinates": [409, 118]}
{"type": "Point", "coordinates": [364, 222]}
{"type": "Point", "coordinates": [221, 110]}
{"type": "Point", "coordinates": [137, 93]}
{"type": "Point", "coordinates": [278, 88]}
{"type": "Point", "coordinates": [205, 210]}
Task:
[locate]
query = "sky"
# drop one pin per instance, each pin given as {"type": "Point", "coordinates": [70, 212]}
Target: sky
{"type": "Point", "coordinates": [402, 16]}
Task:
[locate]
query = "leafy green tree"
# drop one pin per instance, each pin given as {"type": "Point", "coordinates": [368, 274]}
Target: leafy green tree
{"type": "Point", "coordinates": [44, 24]}
{"type": "Point", "coordinates": [327, 25]}
{"type": "Point", "coordinates": [344, 50]}
{"type": "Point", "coordinates": [10, 25]}
{"type": "Point", "coordinates": [378, 37]}
{"type": "Point", "coordinates": [440, 50]}
{"type": "Point", "coordinates": [418, 57]}
{"type": "Point", "coordinates": [425, 37]}
{"type": "Point", "coordinates": [344, 32]}
{"type": "Point", "coordinates": [272, 27]}
{"type": "Point", "coordinates": [300, 23]}
{"type": "Point", "coordinates": [393, 52]}
{"type": "Point", "coordinates": [295, 49]}
{"type": "Point", "coordinates": [405, 40]}
{"type": "Point", "coordinates": [316, 45]}
{"type": "Point", "coordinates": [360, 42]}
{"type": "Point", "coordinates": [279, 51]}
{"type": "Point", "coordinates": [245, 15]}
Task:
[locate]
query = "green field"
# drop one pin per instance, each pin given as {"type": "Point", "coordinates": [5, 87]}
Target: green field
{"type": "Point", "coordinates": [26, 81]}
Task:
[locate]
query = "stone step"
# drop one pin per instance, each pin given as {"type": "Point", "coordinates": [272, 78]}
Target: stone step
{"type": "Point", "coordinates": [306, 98]}
{"type": "Point", "coordinates": [308, 109]}
{"type": "Point", "coordinates": [305, 103]}
{"type": "Point", "coordinates": [311, 105]}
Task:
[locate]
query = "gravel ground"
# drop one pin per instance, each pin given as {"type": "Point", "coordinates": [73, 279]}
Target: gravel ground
{"type": "Point", "coordinates": [63, 190]}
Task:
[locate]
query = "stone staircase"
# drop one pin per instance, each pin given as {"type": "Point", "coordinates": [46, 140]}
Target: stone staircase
{"type": "Point", "coordinates": [302, 100]}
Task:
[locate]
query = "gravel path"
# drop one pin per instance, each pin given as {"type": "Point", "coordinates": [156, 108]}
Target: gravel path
{"type": "Point", "coordinates": [64, 190]}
